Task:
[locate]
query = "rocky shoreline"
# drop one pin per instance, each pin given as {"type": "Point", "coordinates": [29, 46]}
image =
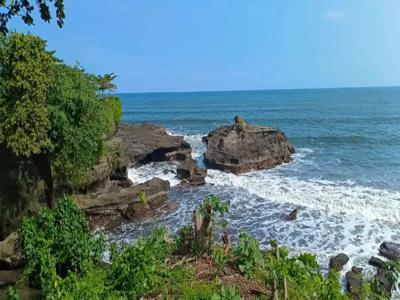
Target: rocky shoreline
{"type": "Point", "coordinates": [110, 197]}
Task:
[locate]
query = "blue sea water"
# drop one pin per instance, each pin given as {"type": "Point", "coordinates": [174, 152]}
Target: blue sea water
{"type": "Point", "coordinates": [345, 176]}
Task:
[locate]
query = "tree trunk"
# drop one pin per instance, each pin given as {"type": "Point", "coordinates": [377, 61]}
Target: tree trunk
{"type": "Point", "coordinates": [202, 230]}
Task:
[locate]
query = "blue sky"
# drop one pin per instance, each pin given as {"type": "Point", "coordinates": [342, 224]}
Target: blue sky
{"type": "Point", "coordinates": [187, 45]}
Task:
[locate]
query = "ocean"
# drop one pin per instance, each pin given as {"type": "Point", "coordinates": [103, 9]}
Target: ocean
{"type": "Point", "coordinates": [344, 178]}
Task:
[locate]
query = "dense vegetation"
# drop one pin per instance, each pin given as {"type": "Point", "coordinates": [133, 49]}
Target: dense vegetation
{"type": "Point", "coordinates": [63, 259]}
{"type": "Point", "coordinates": [50, 112]}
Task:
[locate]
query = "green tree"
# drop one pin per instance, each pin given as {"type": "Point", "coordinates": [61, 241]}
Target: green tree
{"type": "Point", "coordinates": [25, 9]}
{"type": "Point", "coordinates": [105, 82]}
{"type": "Point", "coordinates": [26, 71]}
{"type": "Point", "coordinates": [49, 112]}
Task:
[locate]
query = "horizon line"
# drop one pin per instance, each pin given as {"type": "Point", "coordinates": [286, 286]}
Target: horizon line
{"type": "Point", "coordinates": [255, 90]}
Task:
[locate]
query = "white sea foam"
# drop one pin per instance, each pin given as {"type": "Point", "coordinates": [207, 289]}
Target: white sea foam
{"type": "Point", "coordinates": [335, 216]}
{"type": "Point", "coordinates": [162, 170]}
{"type": "Point", "coordinates": [335, 198]}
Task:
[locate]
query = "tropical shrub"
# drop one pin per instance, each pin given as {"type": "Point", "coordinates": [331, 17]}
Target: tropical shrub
{"type": "Point", "coordinates": [248, 254]}
{"type": "Point", "coordinates": [140, 268]}
{"type": "Point", "coordinates": [220, 257]}
{"type": "Point", "coordinates": [57, 242]}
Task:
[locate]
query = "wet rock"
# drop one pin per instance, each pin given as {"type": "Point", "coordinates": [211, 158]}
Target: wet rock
{"type": "Point", "coordinates": [376, 262]}
{"type": "Point", "coordinates": [145, 143]}
{"type": "Point", "coordinates": [293, 215]}
{"type": "Point", "coordinates": [114, 203]}
{"type": "Point", "coordinates": [386, 278]}
{"type": "Point", "coordinates": [10, 257]}
{"type": "Point", "coordinates": [390, 250]}
{"type": "Point", "coordinates": [188, 170]}
{"type": "Point", "coordinates": [337, 262]}
{"type": "Point", "coordinates": [242, 147]}
{"type": "Point", "coordinates": [355, 283]}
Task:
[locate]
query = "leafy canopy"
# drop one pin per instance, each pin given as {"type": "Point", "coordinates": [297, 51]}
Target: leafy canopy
{"type": "Point", "coordinates": [51, 109]}
{"type": "Point", "coordinates": [25, 9]}
{"type": "Point", "coordinates": [26, 71]}
{"type": "Point", "coordinates": [105, 82]}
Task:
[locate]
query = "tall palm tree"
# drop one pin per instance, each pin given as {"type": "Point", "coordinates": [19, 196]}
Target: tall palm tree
{"type": "Point", "coordinates": [105, 82]}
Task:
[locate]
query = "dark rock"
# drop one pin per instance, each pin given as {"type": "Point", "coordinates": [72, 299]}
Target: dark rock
{"type": "Point", "coordinates": [355, 283]}
{"type": "Point", "coordinates": [188, 170]}
{"type": "Point", "coordinates": [356, 270]}
{"type": "Point", "coordinates": [386, 278]}
{"type": "Point", "coordinates": [22, 191]}
{"type": "Point", "coordinates": [337, 262]}
{"type": "Point", "coordinates": [376, 262]}
{"type": "Point", "coordinates": [144, 143]}
{"type": "Point", "coordinates": [125, 183]}
{"type": "Point", "coordinates": [293, 215]}
{"type": "Point", "coordinates": [390, 250]}
{"type": "Point", "coordinates": [241, 147]}
{"type": "Point", "coordinates": [112, 204]}
{"type": "Point", "coordinates": [8, 277]}
{"type": "Point", "coordinates": [10, 257]}
{"type": "Point", "coordinates": [167, 171]}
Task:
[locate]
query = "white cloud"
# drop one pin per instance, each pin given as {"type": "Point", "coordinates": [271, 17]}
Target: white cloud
{"type": "Point", "coordinates": [334, 15]}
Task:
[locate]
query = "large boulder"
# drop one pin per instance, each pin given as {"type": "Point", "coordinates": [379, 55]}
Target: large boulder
{"type": "Point", "coordinates": [337, 262]}
{"type": "Point", "coordinates": [355, 283]}
{"type": "Point", "coordinates": [390, 250]}
{"type": "Point", "coordinates": [10, 257]}
{"type": "Point", "coordinates": [145, 143]}
{"type": "Point", "coordinates": [188, 170]}
{"type": "Point", "coordinates": [242, 147]}
{"type": "Point", "coordinates": [114, 203]}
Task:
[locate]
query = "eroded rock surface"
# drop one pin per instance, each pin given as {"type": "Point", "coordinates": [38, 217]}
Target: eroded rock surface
{"type": "Point", "coordinates": [115, 203]}
{"type": "Point", "coordinates": [242, 147]}
{"type": "Point", "coordinates": [337, 262]}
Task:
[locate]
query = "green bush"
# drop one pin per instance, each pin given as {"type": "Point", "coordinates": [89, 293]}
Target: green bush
{"type": "Point", "coordinates": [140, 268]}
{"type": "Point", "coordinates": [220, 257]}
{"type": "Point", "coordinates": [111, 110]}
{"type": "Point", "coordinates": [57, 242]}
{"type": "Point", "coordinates": [248, 254]}
{"type": "Point", "coordinates": [116, 107]}
{"type": "Point", "coordinates": [227, 293]}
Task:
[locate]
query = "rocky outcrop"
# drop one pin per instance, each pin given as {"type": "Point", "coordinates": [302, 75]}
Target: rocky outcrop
{"type": "Point", "coordinates": [242, 147]}
{"type": "Point", "coordinates": [144, 143]}
{"type": "Point", "coordinates": [22, 191]}
{"type": "Point", "coordinates": [337, 262]}
{"type": "Point", "coordinates": [390, 250]}
{"type": "Point", "coordinates": [10, 258]}
{"type": "Point", "coordinates": [188, 170]}
{"type": "Point", "coordinates": [355, 283]}
{"type": "Point", "coordinates": [115, 203]}
{"type": "Point", "coordinates": [385, 274]}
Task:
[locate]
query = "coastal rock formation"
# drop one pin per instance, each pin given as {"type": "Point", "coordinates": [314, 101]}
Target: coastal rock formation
{"type": "Point", "coordinates": [145, 143]}
{"type": "Point", "coordinates": [114, 203]}
{"type": "Point", "coordinates": [355, 283]}
{"type": "Point", "coordinates": [376, 262]}
{"type": "Point", "coordinates": [188, 170]}
{"type": "Point", "coordinates": [242, 147]}
{"type": "Point", "coordinates": [337, 262]}
{"type": "Point", "coordinates": [10, 259]}
{"type": "Point", "coordinates": [390, 250]}
{"type": "Point", "coordinates": [293, 215]}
